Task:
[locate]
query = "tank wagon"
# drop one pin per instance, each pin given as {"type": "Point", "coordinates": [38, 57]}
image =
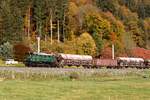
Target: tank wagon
{"type": "Point", "coordinates": [130, 62]}
{"type": "Point", "coordinates": [61, 60]}
{"type": "Point", "coordinates": [147, 63]}
{"type": "Point", "coordinates": [74, 60]}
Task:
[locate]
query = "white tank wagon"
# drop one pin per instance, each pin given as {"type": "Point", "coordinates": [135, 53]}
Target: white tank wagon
{"type": "Point", "coordinates": [130, 62]}
{"type": "Point", "coordinates": [74, 60]}
{"type": "Point", "coordinates": [147, 63]}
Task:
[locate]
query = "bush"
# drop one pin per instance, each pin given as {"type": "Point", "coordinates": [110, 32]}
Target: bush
{"type": "Point", "coordinates": [6, 50]}
{"type": "Point", "coordinates": [20, 51]}
{"type": "Point", "coordinates": [74, 75]}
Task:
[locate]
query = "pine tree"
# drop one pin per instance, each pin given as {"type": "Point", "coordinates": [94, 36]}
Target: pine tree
{"type": "Point", "coordinates": [11, 13]}
{"type": "Point", "coordinates": [39, 15]}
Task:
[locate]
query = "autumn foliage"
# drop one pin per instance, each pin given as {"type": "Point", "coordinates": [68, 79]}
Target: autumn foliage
{"type": "Point", "coordinates": [106, 53]}
{"type": "Point", "coordinates": [141, 52]}
{"type": "Point", "coordinates": [76, 26]}
{"type": "Point", "coordinates": [20, 51]}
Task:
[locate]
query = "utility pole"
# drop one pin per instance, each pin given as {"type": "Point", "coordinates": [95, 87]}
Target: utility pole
{"type": "Point", "coordinates": [113, 51]}
{"type": "Point", "coordinates": [40, 29]}
{"type": "Point", "coordinates": [58, 37]}
{"type": "Point", "coordinates": [38, 40]}
{"type": "Point", "coordinates": [113, 38]}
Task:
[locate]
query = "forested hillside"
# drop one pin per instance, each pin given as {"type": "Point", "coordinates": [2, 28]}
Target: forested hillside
{"type": "Point", "coordinates": [74, 26]}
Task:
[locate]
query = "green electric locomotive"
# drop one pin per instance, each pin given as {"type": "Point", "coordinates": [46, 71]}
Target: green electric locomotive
{"type": "Point", "coordinates": [40, 60]}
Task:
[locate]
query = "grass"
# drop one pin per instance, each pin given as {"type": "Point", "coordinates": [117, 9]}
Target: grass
{"type": "Point", "coordinates": [103, 84]}
{"type": "Point", "coordinates": [127, 89]}
{"type": "Point", "coordinates": [80, 74]}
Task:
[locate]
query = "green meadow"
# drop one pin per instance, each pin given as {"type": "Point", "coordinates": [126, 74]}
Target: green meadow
{"type": "Point", "coordinates": [99, 89]}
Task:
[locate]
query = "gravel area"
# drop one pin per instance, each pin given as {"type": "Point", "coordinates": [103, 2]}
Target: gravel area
{"type": "Point", "coordinates": [66, 70]}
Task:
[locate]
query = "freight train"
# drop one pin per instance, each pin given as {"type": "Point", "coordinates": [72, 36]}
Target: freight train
{"type": "Point", "coordinates": [87, 61]}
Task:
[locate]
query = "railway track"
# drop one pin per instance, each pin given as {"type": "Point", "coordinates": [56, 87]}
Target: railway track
{"type": "Point", "coordinates": [44, 69]}
{"type": "Point", "coordinates": [65, 70]}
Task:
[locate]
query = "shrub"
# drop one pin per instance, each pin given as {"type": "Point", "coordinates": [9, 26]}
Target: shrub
{"type": "Point", "coordinates": [20, 50]}
{"type": "Point", "coordinates": [6, 50]}
{"type": "Point", "coordinates": [74, 75]}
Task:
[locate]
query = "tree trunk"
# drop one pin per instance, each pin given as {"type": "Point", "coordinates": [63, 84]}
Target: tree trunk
{"type": "Point", "coordinates": [51, 26]}
{"type": "Point", "coordinates": [58, 37]}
